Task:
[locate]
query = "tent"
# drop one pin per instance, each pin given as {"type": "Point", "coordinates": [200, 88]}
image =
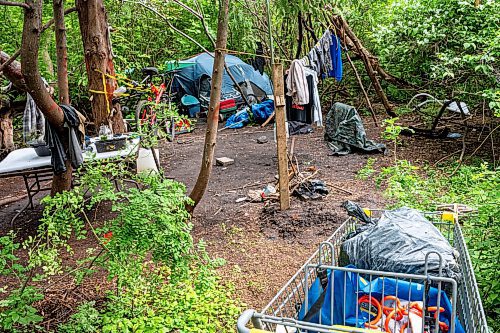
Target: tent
{"type": "Point", "coordinates": [195, 80]}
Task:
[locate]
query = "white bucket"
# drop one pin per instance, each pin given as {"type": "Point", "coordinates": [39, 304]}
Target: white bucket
{"type": "Point", "coordinates": [146, 161]}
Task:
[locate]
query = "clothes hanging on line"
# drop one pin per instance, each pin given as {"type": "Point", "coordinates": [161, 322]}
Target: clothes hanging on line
{"type": "Point", "coordinates": [33, 122]}
{"type": "Point", "coordinates": [315, 64]}
{"type": "Point", "coordinates": [296, 83]}
{"type": "Point", "coordinates": [336, 55]}
{"type": "Point", "coordinates": [323, 50]}
{"type": "Point", "coordinates": [317, 117]}
{"type": "Point", "coordinates": [301, 112]}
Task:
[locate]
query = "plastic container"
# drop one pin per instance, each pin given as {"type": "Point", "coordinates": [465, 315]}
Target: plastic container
{"type": "Point", "coordinates": [41, 149]}
{"type": "Point", "coordinates": [103, 146]}
{"type": "Point", "coordinates": [191, 104]}
{"type": "Point", "coordinates": [146, 161]}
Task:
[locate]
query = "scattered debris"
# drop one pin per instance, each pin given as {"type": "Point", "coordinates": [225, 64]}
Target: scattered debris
{"type": "Point", "coordinates": [224, 161]}
{"type": "Point", "coordinates": [255, 195]}
{"type": "Point", "coordinates": [185, 141]}
{"type": "Point", "coordinates": [269, 189]}
{"type": "Point", "coordinates": [262, 139]}
{"type": "Point", "coordinates": [218, 211]}
{"type": "Point", "coordinates": [241, 199]}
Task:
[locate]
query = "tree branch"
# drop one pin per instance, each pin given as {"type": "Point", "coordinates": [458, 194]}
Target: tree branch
{"type": "Point", "coordinates": [9, 61]}
{"type": "Point", "coordinates": [189, 9]}
{"type": "Point", "coordinates": [200, 17]}
{"type": "Point", "coordinates": [12, 71]}
{"type": "Point", "coordinates": [16, 4]}
{"type": "Point", "coordinates": [51, 21]}
{"type": "Point", "coordinates": [171, 26]}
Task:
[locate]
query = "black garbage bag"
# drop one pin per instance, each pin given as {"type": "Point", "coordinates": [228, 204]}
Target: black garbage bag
{"type": "Point", "coordinates": [344, 131]}
{"type": "Point", "coordinates": [354, 210]}
{"type": "Point", "coordinates": [311, 190]}
{"type": "Point", "coordinates": [399, 242]}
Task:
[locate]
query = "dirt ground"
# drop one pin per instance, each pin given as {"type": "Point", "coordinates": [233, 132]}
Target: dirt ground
{"type": "Point", "coordinates": [262, 246]}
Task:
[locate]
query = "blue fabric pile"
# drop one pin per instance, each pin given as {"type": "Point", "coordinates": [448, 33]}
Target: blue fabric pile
{"type": "Point", "coordinates": [262, 111]}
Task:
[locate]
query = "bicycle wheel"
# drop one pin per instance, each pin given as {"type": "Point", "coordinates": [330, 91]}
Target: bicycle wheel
{"type": "Point", "coordinates": [144, 115]}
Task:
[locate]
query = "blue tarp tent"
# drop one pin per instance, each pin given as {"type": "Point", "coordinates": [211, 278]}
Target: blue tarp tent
{"type": "Point", "coordinates": [188, 78]}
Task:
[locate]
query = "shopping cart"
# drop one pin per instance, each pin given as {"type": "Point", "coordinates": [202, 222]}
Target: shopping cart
{"type": "Point", "coordinates": [283, 312]}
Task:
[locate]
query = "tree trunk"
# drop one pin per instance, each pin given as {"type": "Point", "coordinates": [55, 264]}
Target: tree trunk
{"type": "Point", "coordinates": [213, 110]}
{"type": "Point", "coordinates": [62, 52]}
{"type": "Point", "coordinates": [365, 56]}
{"type": "Point", "coordinates": [301, 36]}
{"type": "Point", "coordinates": [6, 132]}
{"type": "Point", "coordinates": [35, 86]}
{"type": "Point", "coordinates": [98, 60]}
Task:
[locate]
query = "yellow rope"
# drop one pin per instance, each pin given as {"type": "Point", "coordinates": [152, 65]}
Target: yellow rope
{"type": "Point", "coordinates": [105, 92]}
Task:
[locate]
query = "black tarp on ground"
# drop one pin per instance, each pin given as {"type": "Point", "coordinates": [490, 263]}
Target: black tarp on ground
{"type": "Point", "coordinates": [399, 242]}
{"type": "Point", "coordinates": [344, 131]}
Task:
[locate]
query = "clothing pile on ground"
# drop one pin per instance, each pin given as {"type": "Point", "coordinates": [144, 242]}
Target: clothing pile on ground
{"type": "Point", "coordinates": [302, 97]}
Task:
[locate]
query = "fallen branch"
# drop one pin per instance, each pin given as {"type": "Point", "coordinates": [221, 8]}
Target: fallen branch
{"type": "Point", "coordinates": [268, 120]}
{"type": "Point", "coordinates": [10, 200]}
{"type": "Point", "coordinates": [339, 188]}
{"type": "Point", "coordinates": [482, 143]}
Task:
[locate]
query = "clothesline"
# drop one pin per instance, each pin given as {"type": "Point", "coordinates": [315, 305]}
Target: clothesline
{"type": "Point", "coordinates": [251, 54]}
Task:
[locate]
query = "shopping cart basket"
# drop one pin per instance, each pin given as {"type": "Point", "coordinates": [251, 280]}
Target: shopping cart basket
{"type": "Point", "coordinates": [283, 313]}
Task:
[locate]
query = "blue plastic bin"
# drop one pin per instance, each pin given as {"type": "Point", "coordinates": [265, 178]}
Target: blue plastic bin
{"type": "Point", "coordinates": [191, 104]}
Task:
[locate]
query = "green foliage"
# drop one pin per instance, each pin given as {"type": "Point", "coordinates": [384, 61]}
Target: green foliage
{"type": "Point", "coordinates": [186, 305]}
{"type": "Point", "coordinates": [392, 131]}
{"type": "Point", "coordinates": [365, 172]}
{"type": "Point", "coordinates": [86, 320]}
{"type": "Point", "coordinates": [162, 282]}
{"type": "Point", "coordinates": [477, 186]}
{"type": "Point", "coordinates": [16, 311]}
{"type": "Point", "coordinates": [447, 45]}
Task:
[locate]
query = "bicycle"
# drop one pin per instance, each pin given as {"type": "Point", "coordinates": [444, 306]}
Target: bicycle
{"type": "Point", "coordinates": [155, 105]}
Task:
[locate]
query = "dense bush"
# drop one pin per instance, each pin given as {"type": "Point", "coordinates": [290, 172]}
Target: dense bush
{"type": "Point", "coordinates": [444, 47]}
{"type": "Point", "coordinates": [162, 283]}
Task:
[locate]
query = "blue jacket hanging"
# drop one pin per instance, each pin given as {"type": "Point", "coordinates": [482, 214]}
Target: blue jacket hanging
{"type": "Point", "coordinates": [336, 53]}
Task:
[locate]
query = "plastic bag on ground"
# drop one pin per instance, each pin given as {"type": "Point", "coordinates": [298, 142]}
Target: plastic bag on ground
{"type": "Point", "coordinates": [399, 242]}
{"type": "Point", "coordinates": [238, 120]}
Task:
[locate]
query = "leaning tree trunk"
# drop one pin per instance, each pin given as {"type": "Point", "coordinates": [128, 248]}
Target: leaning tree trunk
{"type": "Point", "coordinates": [213, 108]}
{"type": "Point", "coordinates": [99, 63]}
{"type": "Point", "coordinates": [62, 52]}
{"type": "Point", "coordinates": [6, 127]}
{"type": "Point", "coordinates": [35, 86]}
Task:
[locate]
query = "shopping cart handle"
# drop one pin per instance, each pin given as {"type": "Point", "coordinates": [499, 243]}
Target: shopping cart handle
{"type": "Point", "coordinates": [245, 318]}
